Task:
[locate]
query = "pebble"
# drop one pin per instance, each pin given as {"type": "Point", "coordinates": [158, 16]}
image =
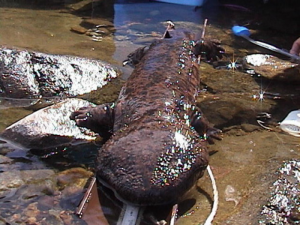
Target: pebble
{"type": "Point", "coordinates": [79, 29]}
{"type": "Point", "coordinates": [98, 22]}
{"type": "Point", "coordinates": [10, 179]}
{"type": "Point", "coordinates": [249, 127]}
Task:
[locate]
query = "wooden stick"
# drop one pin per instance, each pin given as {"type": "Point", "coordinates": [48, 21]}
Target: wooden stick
{"type": "Point", "coordinates": [90, 209]}
{"type": "Point", "coordinates": [204, 27]}
{"type": "Point", "coordinates": [202, 37]}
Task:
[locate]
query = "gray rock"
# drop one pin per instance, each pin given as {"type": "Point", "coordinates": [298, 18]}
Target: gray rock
{"type": "Point", "coordinates": [27, 74]}
{"type": "Point", "coordinates": [283, 205]}
{"type": "Point", "coordinates": [49, 127]}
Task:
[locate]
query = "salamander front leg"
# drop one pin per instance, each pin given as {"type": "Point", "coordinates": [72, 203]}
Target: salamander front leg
{"type": "Point", "coordinates": [99, 118]}
{"type": "Point", "coordinates": [204, 128]}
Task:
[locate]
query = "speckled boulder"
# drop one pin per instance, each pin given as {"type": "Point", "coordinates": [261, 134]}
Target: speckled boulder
{"type": "Point", "coordinates": [25, 74]}
{"type": "Point", "coordinates": [49, 127]}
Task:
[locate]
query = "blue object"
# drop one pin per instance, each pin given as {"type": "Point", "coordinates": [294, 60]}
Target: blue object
{"type": "Point", "coordinates": [240, 31]}
{"type": "Point", "coordinates": [245, 33]}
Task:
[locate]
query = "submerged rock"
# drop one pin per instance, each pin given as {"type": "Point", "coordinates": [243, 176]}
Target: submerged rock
{"type": "Point", "coordinates": [27, 74]}
{"type": "Point", "coordinates": [35, 196]}
{"type": "Point", "coordinates": [272, 67]}
{"type": "Point", "coordinates": [49, 127]}
{"type": "Point", "coordinates": [15, 178]}
{"type": "Point", "coordinates": [73, 177]}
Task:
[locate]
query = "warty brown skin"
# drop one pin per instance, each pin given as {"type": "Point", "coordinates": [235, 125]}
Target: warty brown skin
{"type": "Point", "coordinates": [156, 151]}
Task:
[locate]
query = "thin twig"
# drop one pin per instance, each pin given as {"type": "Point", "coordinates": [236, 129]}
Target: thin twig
{"type": "Point", "coordinates": [202, 36]}
{"type": "Point", "coordinates": [204, 27]}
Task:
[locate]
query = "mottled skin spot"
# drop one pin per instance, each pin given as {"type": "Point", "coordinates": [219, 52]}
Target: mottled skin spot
{"type": "Point", "coordinates": [155, 153]}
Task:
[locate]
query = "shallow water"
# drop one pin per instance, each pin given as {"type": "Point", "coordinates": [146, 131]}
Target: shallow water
{"type": "Point", "coordinates": [245, 160]}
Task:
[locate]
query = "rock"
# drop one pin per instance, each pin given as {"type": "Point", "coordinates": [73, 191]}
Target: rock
{"type": "Point", "coordinates": [99, 8]}
{"type": "Point", "coordinates": [5, 160]}
{"type": "Point", "coordinates": [229, 111]}
{"type": "Point", "coordinates": [249, 127]}
{"type": "Point", "coordinates": [66, 217]}
{"type": "Point", "coordinates": [98, 31]}
{"type": "Point", "coordinates": [272, 67]}
{"type": "Point", "coordinates": [31, 220]}
{"type": "Point", "coordinates": [73, 176]}
{"type": "Point", "coordinates": [47, 202]}
{"type": "Point", "coordinates": [32, 211]}
{"type": "Point", "coordinates": [93, 22]}
{"type": "Point", "coordinates": [54, 220]}
{"type": "Point", "coordinates": [71, 183]}
{"type": "Point", "coordinates": [10, 179]}
{"type": "Point", "coordinates": [97, 28]}
{"type": "Point", "coordinates": [16, 79]}
{"type": "Point", "coordinates": [280, 208]}
{"type": "Point", "coordinates": [49, 127]}
{"type": "Point", "coordinates": [34, 191]}
{"type": "Point", "coordinates": [32, 176]}
{"type": "Point", "coordinates": [34, 75]}
{"type": "Point", "coordinates": [79, 29]}
{"type": "Point", "coordinates": [15, 178]}
{"type": "Point", "coordinates": [34, 197]}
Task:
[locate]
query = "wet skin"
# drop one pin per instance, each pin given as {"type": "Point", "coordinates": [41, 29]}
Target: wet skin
{"type": "Point", "coordinates": [157, 150]}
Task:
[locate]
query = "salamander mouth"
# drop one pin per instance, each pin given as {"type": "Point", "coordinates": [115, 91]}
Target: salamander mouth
{"type": "Point", "coordinates": [105, 184]}
{"type": "Point", "coordinates": [124, 201]}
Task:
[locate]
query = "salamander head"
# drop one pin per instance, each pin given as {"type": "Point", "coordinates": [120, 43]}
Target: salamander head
{"type": "Point", "coordinates": [151, 167]}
